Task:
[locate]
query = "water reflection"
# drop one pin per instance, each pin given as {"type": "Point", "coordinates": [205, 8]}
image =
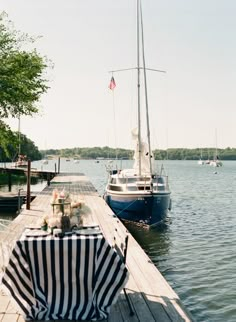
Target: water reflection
{"type": "Point", "coordinates": [155, 242]}
{"type": "Point", "coordinates": [19, 186]}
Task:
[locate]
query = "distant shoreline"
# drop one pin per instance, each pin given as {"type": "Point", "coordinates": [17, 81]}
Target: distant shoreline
{"type": "Point", "coordinates": [107, 153]}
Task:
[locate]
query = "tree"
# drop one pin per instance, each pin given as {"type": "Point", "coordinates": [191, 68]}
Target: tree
{"type": "Point", "coordinates": [27, 148]}
{"type": "Point", "coordinates": [22, 79]}
{"type": "Point", "coordinates": [6, 136]}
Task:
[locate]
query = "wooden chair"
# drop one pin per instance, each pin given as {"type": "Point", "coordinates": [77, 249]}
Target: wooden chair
{"type": "Point", "coordinates": [122, 248]}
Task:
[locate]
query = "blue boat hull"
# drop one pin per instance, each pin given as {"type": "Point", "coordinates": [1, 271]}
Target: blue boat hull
{"type": "Point", "coordinates": [149, 210]}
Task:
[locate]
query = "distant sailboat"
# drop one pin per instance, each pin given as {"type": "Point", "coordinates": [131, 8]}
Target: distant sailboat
{"type": "Point", "coordinates": [200, 161]}
{"type": "Point", "coordinates": [216, 161]}
{"type": "Point", "coordinates": [208, 161]}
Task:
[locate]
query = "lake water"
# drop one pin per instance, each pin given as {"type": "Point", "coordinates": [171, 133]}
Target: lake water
{"type": "Point", "coordinates": [196, 249]}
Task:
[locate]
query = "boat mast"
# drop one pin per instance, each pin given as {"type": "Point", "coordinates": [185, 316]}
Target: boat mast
{"type": "Point", "coordinates": [138, 85]}
{"type": "Point", "coordinates": [216, 148]}
{"type": "Point", "coordinates": [146, 96]}
{"type": "Point", "coordinates": [139, 68]}
{"type": "Point", "coordinates": [19, 137]}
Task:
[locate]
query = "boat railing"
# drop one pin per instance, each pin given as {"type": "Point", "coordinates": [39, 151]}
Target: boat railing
{"type": "Point", "coordinates": [144, 182]}
{"type": "Point", "coordinates": [160, 182]}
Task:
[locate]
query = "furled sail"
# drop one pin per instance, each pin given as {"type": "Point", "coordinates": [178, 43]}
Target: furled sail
{"type": "Point", "coordinates": [143, 158]}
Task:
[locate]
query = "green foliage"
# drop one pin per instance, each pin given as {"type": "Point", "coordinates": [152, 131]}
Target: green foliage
{"type": "Point", "coordinates": [28, 148]}
{"type": "Point", "coordinates": [15, 179]}
{"type": "Point", "coordinates": [171, 154]}
{"type": "Point", "coordinates": [22, 79]}
{"type": "Point", "coordinates": [8, 139]}
{"type": "Point", "coordinates": [21, 73]}
{"type": "Point", "coordinates": [21, 83]}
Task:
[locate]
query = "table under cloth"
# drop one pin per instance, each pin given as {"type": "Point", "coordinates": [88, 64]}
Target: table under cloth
{"type": "Point", "coordinates": [76, 277]}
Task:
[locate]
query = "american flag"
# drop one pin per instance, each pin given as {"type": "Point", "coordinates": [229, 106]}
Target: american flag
{"type": "Point", "coordinates": [112, 84]}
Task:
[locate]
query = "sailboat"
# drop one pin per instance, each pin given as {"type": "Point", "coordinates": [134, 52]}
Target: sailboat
{"type": "Point", "coordinates": [200, 161]}
{"type": "Point", "coordinates": [208, 161]}
{"type": "Point", "coordinates": [45, 159]}
{"type": "Point", "coordinates": [216, 161]}
{"type": "Point", "coordinates": [140, 194]}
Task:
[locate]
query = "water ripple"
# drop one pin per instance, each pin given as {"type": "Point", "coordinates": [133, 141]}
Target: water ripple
{"type": "Point", "coordinates": [196, 253]}
{"type": "Point", "coordinates": [195, 250]}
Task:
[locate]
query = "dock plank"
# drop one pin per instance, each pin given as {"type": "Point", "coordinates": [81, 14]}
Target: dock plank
{"type": "Point", "coordinates": [138, 282]}
{"type": "Point", "coordinates": [10, 318]}
{"type": "Point", "coordinates": [151, 296]}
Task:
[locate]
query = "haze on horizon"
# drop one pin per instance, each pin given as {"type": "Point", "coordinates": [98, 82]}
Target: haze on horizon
{"type": "Point", "coordinates": [193, 41]}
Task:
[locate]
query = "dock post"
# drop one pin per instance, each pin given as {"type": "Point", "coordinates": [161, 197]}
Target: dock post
{"type": "Point", "coordinates": [28, 185]}
{"type": "Point", "coordinates": [48, 179]}
{"type": "Point", "coordinates": [59, 160]}
{"type": "Point", "coordinates": [55, 168]}
{"type": "Point", "coordinates": [9, 181]}
{"type": "Point", "coordinates": [19, 201]}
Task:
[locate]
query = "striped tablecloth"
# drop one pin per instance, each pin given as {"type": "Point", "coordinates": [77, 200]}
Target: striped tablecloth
{"type": "Point", "coordinates": [75, 277]}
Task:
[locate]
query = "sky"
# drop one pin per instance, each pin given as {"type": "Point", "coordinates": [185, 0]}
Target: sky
{"type": "Point", "coordinates": [192, 105]}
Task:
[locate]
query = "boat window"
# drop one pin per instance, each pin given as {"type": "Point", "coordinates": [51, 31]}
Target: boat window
{"type": "Point", "coordinates": [132, 188]}
{"type": "Point", "coordinates": [115, 188]}
{"type": "Point", "coordinates": [144, 188]}
{"type": "Point", "coordinates": [123, 180]}
{"type": "Point", "coordinates": [132, 180]}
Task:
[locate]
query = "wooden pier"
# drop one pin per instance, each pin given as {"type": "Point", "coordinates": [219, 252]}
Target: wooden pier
{"type": "Point", "coordinates": [12, 202]}
{"type": "Point", "coordinates": [151, 296]}
{"type": "Point", "coordinates": [44, 174]}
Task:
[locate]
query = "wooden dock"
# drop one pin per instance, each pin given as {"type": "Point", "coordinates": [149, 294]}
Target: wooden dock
{"type": "Point", "coordinates": [44, 174]}
{"type": "Point", "coordinates": [12, 202]}
{"type": "Point", "coordinates": [151, 296]}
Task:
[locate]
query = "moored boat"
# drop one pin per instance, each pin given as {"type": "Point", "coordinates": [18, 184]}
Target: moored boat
{"type": "Point", "coordinates": [140, 194]}
{"type": "Point", "coordinates": [201, 162]}
{"type": "Point", "coordinates": [21, 162]}
{"type": "Point", "coordinates": [143, 199]}
{"type": "Point", "coordinates": [216, 163]}
{"type": "Point", "coordinates": [216, 160]}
